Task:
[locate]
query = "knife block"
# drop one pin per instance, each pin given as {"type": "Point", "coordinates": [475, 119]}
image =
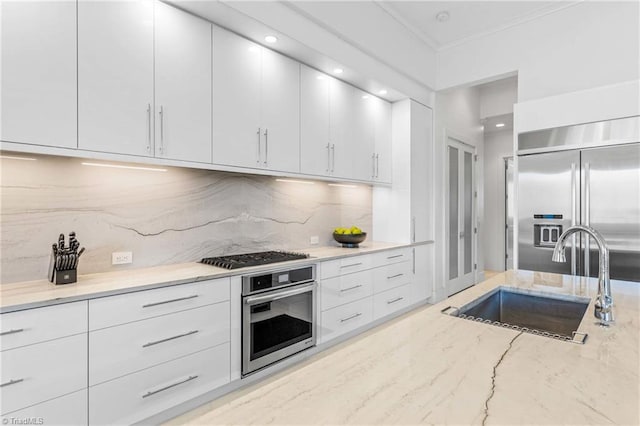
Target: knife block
{"type": "Point", "coordinates": [66, 276]}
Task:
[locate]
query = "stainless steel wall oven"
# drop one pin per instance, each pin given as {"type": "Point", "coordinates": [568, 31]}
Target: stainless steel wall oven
{"type": "Point", "coordinates": [278, 316]}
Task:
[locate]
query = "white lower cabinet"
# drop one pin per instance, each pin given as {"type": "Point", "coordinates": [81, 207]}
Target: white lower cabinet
{"type": "Point", "coordinates": [67, 410]}
{"type": "Point", "coordinates": [36, 373]}
{"type": "Point", "coordinates": [121, 350]}
{"type": "Point", "coordinates": [342, 319]}
{"type": "Point", "coordinates": [140, 395]}
{"type": "Point", "coordinates": [390, 301]}
{"type": "Point", "coordinates": [346, 288]}
{"type": "Point", "coordinates": [391, 276]}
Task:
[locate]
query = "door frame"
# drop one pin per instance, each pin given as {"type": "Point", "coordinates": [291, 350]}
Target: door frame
{"type": "Point", "coordinates": [506, 161]}
{"type": "Point", "coordinates": [460, 144]}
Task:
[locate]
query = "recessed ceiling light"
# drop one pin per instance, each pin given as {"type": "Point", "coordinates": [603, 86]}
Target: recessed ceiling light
{"type": "Point", "coordinates": [338, 70]}
{"type": "Point", "coordinates": [306, 182]}
{"type": "Point", "coordinates": [442, 16]}
{"type": "Point", "coordinates": [343, 185]}
{"type": "Point", "coordinates": [365, 96]}
{"type": "Point", "coordinates": [271, 39]}
{"type": "Point", "coordinates": [253, 49]}
{"type": "Point", "coordinates": [118, 166]}
{"type": "Point", "coordinates": [500, 125]}
{"type": "Point", "coordinates": [320, 77]}
{"type": "Point", "coordinates": [382, 92]}
{"type": "Point", "coordinates": [10, 157]}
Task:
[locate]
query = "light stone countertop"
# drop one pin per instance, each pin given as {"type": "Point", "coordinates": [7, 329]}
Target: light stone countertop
{"type": "Point", "coordinates": [429, 368]}
{"type": "Point", "coordinates": [32, 294]}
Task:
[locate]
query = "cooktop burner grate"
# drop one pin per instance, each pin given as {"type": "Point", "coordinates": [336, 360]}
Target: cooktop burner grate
{"type": "Point", "coordinates": [252, 259]}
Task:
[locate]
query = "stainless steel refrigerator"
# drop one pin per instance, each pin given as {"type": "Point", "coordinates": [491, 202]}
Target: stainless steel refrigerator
{"type": "Point", "coordinates": [596, 186]}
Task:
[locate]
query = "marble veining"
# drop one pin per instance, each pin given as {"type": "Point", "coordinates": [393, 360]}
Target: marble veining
{"type": "Point", "coordinates": [429, 368]}
{"type": "Point", "coordinates": [178, 216]}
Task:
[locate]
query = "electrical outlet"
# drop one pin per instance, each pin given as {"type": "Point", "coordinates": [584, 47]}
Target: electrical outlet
{"type": "Point", "coordinates": [314, 240]}
{"type": "Point", "coordinates": [121, 257]}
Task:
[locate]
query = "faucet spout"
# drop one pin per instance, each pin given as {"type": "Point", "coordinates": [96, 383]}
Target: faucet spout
{"type": "Point", "coordinates": [604, 301]}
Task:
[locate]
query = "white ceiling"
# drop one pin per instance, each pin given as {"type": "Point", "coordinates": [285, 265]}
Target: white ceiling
{"type": "Point", "coordinates": [468, 19]}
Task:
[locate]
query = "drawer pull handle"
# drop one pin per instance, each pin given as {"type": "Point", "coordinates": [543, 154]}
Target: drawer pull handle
{"type": "Point", "coordinates": [396, 256]}
{"type": "Point", "coordinates": [394, 276]}
{"type": "Point", "coordinates": [146, 345]}
{"type": "Point", "coordinates": [350, 265]}
{"type": "Point", "coordinates": [188, 379]}
{"type": "Point", "coordinates": [351, 317]}
{"type": "Point", "coordinates": [11, 382]}
{"type": "Point", "coordinates": [351, 288]}
{"type": "Point", "coordinates": [389, 302]}
{"type": "Point", "coordinates": [170, 301]}
{"type": "Point", "coordinates": [17, 330]}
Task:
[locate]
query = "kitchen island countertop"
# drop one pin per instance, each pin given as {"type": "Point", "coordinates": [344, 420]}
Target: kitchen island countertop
{"type": "Point", "coordinates": [39, 293]}
{"type": "Point", "coordinates": [429, 368]}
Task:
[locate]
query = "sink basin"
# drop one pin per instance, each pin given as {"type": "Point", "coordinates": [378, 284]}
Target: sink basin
{"type": "Point", "coordinates": [550, 315]}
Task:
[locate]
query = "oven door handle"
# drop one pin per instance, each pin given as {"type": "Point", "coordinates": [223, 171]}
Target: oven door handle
{"type": "Point", "coordinates": [280, 294]}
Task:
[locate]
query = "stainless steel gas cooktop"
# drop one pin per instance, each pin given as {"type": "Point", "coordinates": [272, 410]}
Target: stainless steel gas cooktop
{"type": "Point", "coordinates": [252, 259]}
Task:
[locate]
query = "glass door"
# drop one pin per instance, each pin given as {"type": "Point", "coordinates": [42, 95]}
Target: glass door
{"type": "Point", "coordinates": [461, 216]}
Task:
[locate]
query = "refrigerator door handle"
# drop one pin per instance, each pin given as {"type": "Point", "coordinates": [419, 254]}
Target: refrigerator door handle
{"type": "Point", "coordinates": [587, 215]}
{"type": "Point", "coordinates": [574, 212]}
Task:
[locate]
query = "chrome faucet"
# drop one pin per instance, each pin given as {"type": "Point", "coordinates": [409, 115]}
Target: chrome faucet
{"type": "Point", "coordinates": [604, 302]}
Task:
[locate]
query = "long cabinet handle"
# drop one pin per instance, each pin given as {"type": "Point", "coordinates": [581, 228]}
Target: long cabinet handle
{"type": "Point", "coordinates": [350, 265]}
{"type": "Point", "coordinates": [11, 382]}
{"type": "Point", "coordinates": [413, 229]}
{"type": "Point", "coordinates": [587, 216]}
{"type": "Point", "coordinates": [148, 127]}
{"type": "Point", "coordinates": [189, 333]}
{"type": "Point", "coordinates": [14, 331]}
{"type": "Point", "coordinates": [394, 276]}
{"type": "Point", "coordinates": [414, 261]}
{"type": "Point", "coordinates": [259, 153]}
{"type": "Point", "coordinates": [395, 256]}
{"type": "Point", "coordinates": [148, 305]}
{"type": "Point", "coordinates": [161, 113]}
{"type": "Point", "coordinates": [373, 165]}
{"type": "Point", "coordinates": [328, 158]}
{"type": "Point", "coordinates": [266, 145]}
{"type": "Point", "coordinates": [574, 209]}
{"type": "Point", "coordinates": [150, 393]}
{"type": "Point", "coordinates": [333, 157]}
{"type": "Point", "coordinates": [350, 288]}
{"type": "Point", "coordinates": [377, 166]}
{"type": "Point", "coordinates": [351, 317]}
{"type": "Point", "coordinates": [389, 302]}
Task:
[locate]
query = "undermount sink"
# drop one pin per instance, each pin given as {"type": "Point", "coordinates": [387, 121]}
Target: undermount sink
{"type": "Point", "coordinates": [549, 315]}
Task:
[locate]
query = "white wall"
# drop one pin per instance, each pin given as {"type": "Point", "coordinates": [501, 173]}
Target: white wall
{"type": "Point", "coordinates": [497, 146]}
{"type": "Point", "coordinates": [589, 44]}
{"type": "Point", "coordinates": [497, 98]}
{"type": "Point", "coordinates": [457, 115]}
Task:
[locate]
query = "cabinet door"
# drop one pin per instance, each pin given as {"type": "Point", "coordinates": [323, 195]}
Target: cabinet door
{"type": "Point", "coordinates": [38, 93]}
{"type": "Point", "coordinates": [423, 263]}
{"type": "Point", "coordinates": [280, 112]}
{"type": "Point", "coordinates": [115, 76]}
{"type": "Point", "coordinates": [341, 127]}
{"type": "Point", "coordinates": [182, 85]}
{"type": "Point", "coordinates": [421, 173]}
{"type": "Point", "coordinates": [314, 122]}
{"type": "Point", "coordinates": [360, 148]}
{"type": "Point", "coordinates": [382, 128]}
{"type": "Point", "coordinates": [236, 100]}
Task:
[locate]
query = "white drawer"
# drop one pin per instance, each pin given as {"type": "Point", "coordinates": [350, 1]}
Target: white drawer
{"type": "Point", "coordinates": [121, 309]}
{"type": "Point", "coordinates": [68, 410]}
{"type": "Point", "coordinates": [31, 326]}
{"type": "Point", "coordinates": [36, 373]}
{"type": "Point", "coordinates": [347, 265]}
{"type": "Point", "coordinates": [345, 318]}
{"type": "Point", "coordinates": [345, 288]}
{"type": "Point", "coordinates": [391, 301]}
{"type": "Point", "coordinates": [140, 395]}
{"type": "Point", "coordinates": [124, 349]}
{"type": "Point", "coordinates": [391, 276]}
{"type": "Point", "coordinates": [388, 257]}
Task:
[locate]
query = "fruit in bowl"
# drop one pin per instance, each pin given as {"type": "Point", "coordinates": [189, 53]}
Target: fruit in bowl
{"type": "Point", "coordinates": [349, 237]}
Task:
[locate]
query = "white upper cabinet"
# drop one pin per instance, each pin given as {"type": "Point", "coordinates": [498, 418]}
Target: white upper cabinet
{"type": "Point", "coordinates": [182, 85]}
{"type": "Point", "coordinates": [315, 154]}
{"type": "Point", "coordinates": [361, 148]}
{"type": "Point", "coordinates": [115, 76]}
{"type": "Point", "coordinates": [256, 96]}
{"type": "Point", "coordinates": [341, 127]}
{"type": "Point", "coordinates": [382, 125]}
{"type": "Point", "coordinates": [38, 92]}
{"type": "Point", "coordinates": [280, 112]}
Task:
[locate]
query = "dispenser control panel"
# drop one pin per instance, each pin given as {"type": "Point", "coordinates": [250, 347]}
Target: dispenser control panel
{"type": "Point", "coordinates": [546, 235]}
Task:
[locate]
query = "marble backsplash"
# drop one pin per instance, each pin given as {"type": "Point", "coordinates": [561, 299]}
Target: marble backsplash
{"type": "Point", "coordinates": [180, 215]}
